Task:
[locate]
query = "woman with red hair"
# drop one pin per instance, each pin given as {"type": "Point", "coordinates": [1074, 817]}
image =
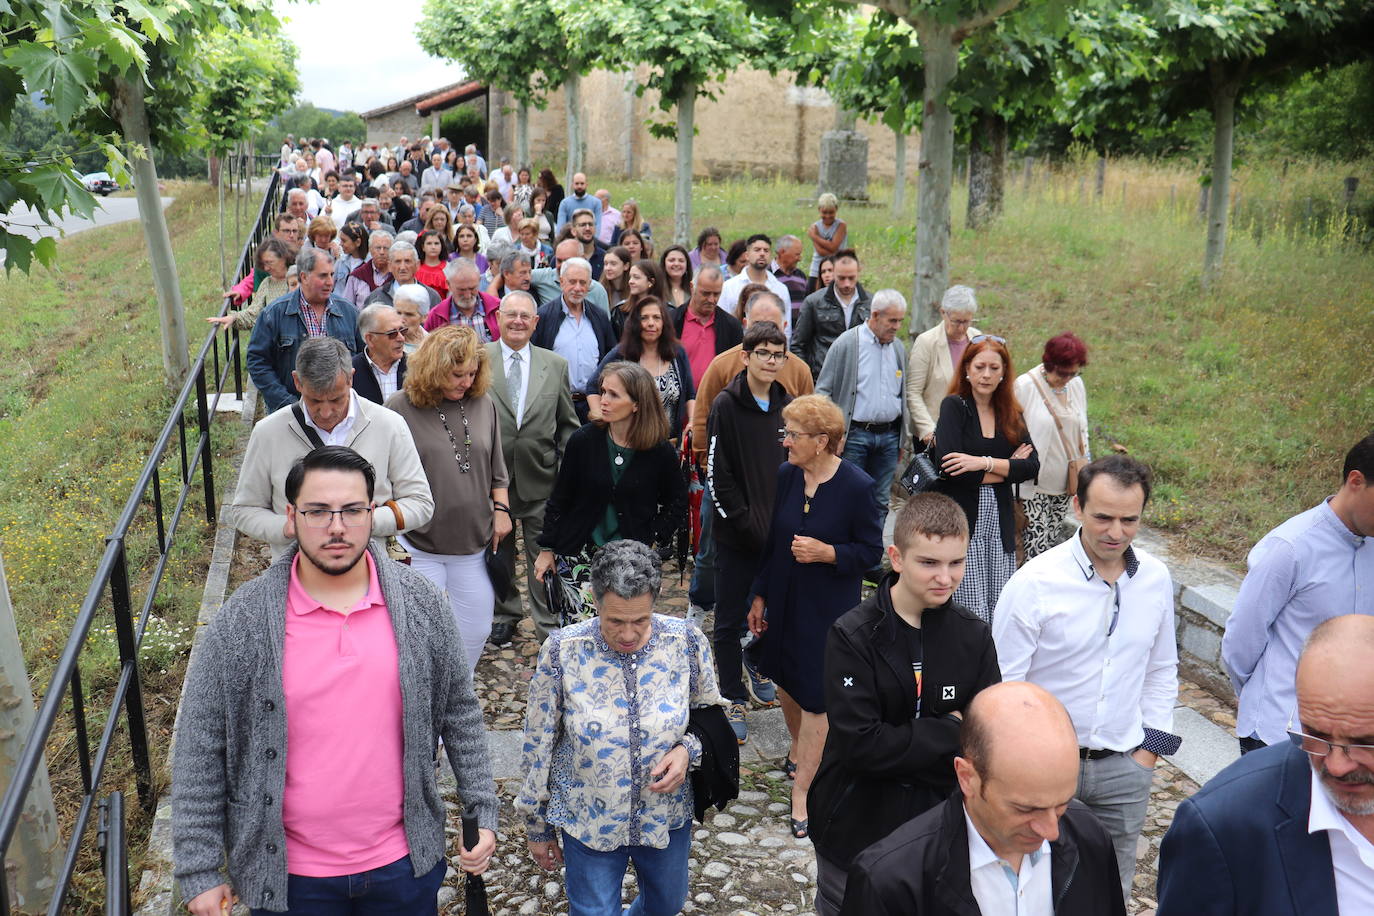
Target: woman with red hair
{"type": "Point", "coordinates": [983, 447]}
{"type": "Point", "coordinates": [1056, 412]}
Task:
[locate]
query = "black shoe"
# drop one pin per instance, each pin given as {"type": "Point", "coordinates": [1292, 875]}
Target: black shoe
{"type": "Point", "coordinates": [501, 634]}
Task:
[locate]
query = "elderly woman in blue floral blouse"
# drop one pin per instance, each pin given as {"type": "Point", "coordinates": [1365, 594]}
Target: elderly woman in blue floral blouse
{"type": "Point", "coordinates": [606, 745]}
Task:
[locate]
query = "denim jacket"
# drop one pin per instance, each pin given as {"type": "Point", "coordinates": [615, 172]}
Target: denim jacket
{"type": "Point", "coordinates": [278, 335]}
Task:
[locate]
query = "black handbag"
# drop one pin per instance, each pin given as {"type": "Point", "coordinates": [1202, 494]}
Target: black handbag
{"type": "Point", "coordinates": [500, 576]}
{"type": "Point", "coordinates": [921, 474]}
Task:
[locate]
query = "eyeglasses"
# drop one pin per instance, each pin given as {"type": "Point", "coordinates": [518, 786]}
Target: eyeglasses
{"type": "Point", "coordinates": [770, 356]}
{"type": "Point", "coordinates": [353, 516]}
{"type": "Point", "coordinates": [393, 333]}
{"type": "Point", "coordinates": [794, 435]}
{"type": "Point", "coordinates": [1320, 747]}
{"type": "Point", "coordinates": [993, 337]}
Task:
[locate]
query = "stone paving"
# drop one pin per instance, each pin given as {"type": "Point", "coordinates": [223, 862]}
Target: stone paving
{"type": "Point", "coordinates": [743, 859]}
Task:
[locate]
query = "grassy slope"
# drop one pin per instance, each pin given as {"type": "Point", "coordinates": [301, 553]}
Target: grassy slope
{"type": "Point", "coordinates": [81, 401]}
{"type": "Point", "coordinates": [1245, 401]}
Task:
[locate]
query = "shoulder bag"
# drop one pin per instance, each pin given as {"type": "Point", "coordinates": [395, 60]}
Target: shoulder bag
{"type": "Point", "coordinates": [1075, 464]}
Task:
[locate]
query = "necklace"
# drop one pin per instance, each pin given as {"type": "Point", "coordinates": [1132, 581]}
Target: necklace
{"type": "Point", "coordinates": [465, 459]}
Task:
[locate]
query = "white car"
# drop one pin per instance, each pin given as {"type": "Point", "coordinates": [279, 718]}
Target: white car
{"type": "Point", "coordinates": [100, 183]}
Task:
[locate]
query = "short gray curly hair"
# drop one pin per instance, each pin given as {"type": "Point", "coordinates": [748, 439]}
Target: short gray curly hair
{"type": "Point", "coordinates": [628, 569]}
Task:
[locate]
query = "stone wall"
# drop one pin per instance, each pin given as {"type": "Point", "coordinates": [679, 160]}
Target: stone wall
{"type": "Point", "coordinates": [390, 127]}
{"type": "Point", "coordinates": [758, 125]}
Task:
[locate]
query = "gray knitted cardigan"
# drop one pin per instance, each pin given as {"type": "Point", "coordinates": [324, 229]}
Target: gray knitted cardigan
{"type": "Point", "coordinates": [229, 766]}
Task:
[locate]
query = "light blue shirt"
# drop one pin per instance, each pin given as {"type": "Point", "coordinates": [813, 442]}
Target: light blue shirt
{"type": "Point", "coordinates": [576, 342]}
{"type": "Point", "coordinates": [570, 205]}
{"type": "Point", "coordinates": [879, 395]}
{"type": "Point", "coordinates": [1306, 570]}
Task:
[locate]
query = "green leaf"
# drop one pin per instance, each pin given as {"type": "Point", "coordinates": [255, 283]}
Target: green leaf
{"type": "Point", "coordinates": [18, 252]}
{"type": "Point", "coordinates": [63, 78]}
{"type": "Point", "coordinates": [153, 25]}
{"type": "Point", "coordinates": [45, 249]}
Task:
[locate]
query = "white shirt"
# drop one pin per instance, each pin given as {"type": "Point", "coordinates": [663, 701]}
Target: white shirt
{"type": "Point", "coordinates": [340, 210]}
{"type": "Point", "coordinates": [1000, 891]}
{"type": "Point", "coordinates": [879, 395]}
{"type": "Point", "coordinates": [1051, 628]}
{"type": "Point", "coordinates": [385, 380]}
{"type": "Point", "coordinates": [1352, 855]}
{"type": "Point", "coordinates": [339, 434]}
{"type": "Point", "coordinates": [729, 296]}
{"type": "Point", "coordinates": [847, 307]}
{"type": "Point", "coordinates": [506, 356]}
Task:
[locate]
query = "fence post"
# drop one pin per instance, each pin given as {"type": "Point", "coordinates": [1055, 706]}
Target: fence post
{"type": "Point", "coordinates": [29, 867]}
{"type": "Point", "coordinates": [1027, 166]}
{"type": "Point", "coordinates": [1123, 195]}
{"type": "Point", "coordinates": [1101, 175]}
{"type": "Point", "coordinates": [120, 599]}
{"type": "Point", "coordinates": [114, 855]}
{"type": "Point", "coordinates": [1203, 196]}
{"type": "Point", "coordinates": [1352, 184]}
{"type": "Point", "coordinates": [1173, 199]}
{"type": "Point", "coordinates": [203, 417]}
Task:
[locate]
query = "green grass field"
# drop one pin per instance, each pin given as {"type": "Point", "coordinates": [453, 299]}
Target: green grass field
{"type": "Point", "coordinates": [1244, 400]}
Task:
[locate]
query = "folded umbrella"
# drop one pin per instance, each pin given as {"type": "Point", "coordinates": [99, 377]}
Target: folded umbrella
{"type": "Point", "coordinates": [475, 885]}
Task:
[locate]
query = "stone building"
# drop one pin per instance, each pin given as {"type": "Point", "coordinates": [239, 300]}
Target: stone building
{"type": "Point", "coordinates": [757, 125]}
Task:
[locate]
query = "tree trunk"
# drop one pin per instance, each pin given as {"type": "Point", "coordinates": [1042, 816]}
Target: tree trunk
{"type": "Point", "coordinates": [682, 196]}
{"type": "Point", "coordinates": [522, 135]}
{"type": "Point", "coordinates": [133, 122]}
{"type": "Point", "coordinates": [936, 173]}
{"type": "Point", "coordinates": [899, 183]}
{"type": "Point", "coordinates": [573, 94]}
{"type": "Point", "coordinates": [219, 192]}
{"type": "Point", "coordinates": [987, 162]}
{"type": "Point", "coordinates": [35, 852]}
{"type": "Point", "coordinates": [1223, 135]}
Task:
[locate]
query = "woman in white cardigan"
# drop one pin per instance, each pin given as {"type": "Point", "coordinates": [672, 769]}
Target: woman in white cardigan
{"type": "Point", "coordinates": [1053, 391]}
{"type": "Point", "coordinates": [934, 354]}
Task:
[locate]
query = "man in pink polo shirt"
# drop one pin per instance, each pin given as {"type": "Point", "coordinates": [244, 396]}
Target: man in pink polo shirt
{"type": "Point", "coordinates": [306, 742]}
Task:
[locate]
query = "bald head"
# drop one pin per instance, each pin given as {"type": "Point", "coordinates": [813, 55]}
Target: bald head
{"type": "Point", "coordinates": [568, 248]}
{"type": "Point", "coordinates": [1023, 719]}
{"type": "Point", "coordinates": [764, 306]}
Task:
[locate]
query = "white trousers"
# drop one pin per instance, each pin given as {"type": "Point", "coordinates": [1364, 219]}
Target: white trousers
{"type": "Point", "coordinates": [464, 579]}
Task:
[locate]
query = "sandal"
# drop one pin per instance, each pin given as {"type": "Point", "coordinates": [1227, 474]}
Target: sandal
{"type": "Point", "coordinates": [789, 768]}
{"type": "Point", "coordinates": [800, 828]}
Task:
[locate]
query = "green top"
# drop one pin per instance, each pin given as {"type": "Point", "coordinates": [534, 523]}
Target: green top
{"type": "Point", "coordinates": [609, 527]}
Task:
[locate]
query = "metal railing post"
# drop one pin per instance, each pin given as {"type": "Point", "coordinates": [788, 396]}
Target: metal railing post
{"type": "Point", "coordinates": [128, 657]}
{"type": "Point", "coordinates": [114, 855]}
{"type": "Point", "coordinates": [207, 473]}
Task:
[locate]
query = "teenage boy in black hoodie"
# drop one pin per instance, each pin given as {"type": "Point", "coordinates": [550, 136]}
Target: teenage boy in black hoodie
{"type": "Point", "coordinates": [743, 452]}
{"type": "Point", "coordinates": [900, 669]}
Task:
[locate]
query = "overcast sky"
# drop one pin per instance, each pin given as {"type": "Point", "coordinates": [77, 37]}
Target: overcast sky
{"type": "Point", "coordinates": [337, 73]}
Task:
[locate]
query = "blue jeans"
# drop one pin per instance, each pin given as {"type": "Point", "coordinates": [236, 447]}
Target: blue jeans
{"type": "Point", "coordinates": [702, 591]}
{"type": "Point", "coordinates": [594, 878]}
{"type": "Point", "coordinates": [876, 454]}
{"type": "Point", "coordinates": [392, 890]}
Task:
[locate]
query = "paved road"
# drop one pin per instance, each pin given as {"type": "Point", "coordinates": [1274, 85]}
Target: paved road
{"type": "Point", "coordinates": [109, 210]}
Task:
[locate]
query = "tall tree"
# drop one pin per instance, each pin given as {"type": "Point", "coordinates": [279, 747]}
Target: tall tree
{"type": "Point", "coordinates": [514, 52]}
{"type": "Point", "coordinates": [688, 45]}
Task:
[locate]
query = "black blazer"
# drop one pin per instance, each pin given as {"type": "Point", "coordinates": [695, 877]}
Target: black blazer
{"type": "Point", "coordinates": [365, 383]}
{"type": "Point", "coordinates": [729, 331]}
{"type": "Point", "coordinates": [716, 780]}
{"type": "Point", "coordinates": [650, 500]}
{"type": "Point", "coordinates": [551, 319]}
{"type": "Point", "coordinates": [881, 767]}
{"type": "Point", "coordinates": [922, 867]}
{"type": "Point", "coordinates": [958, 430]}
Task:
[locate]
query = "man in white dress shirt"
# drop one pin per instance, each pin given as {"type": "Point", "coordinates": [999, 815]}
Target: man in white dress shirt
{"type": "Point", "coordinates": [1012, 842]}
{"type": "Point", "coordinates": [758, 256]}
{"type": "Point", "coordinates": [1092, 621]}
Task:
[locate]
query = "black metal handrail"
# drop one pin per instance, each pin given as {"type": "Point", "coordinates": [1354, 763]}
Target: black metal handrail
{"type": "Point", "coordinates": [218, 355]}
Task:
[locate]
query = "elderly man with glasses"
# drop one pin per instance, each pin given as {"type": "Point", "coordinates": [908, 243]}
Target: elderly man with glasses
{"type": "Point", "coordinates": [1288, 830]}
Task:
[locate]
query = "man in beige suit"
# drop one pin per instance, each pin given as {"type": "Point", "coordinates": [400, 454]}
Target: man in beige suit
{"type": "Point", "coordinates": [530, 387]}
{"type": "Point", "coordinates": [934, 357]}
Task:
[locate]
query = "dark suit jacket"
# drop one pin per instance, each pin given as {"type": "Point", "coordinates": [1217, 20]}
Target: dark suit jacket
{"type": "Point", "coordinates": [551, 319]}
{"type": "Point", "coordinates": [365, 383]}
{"type": "Point", "coordinates": [1241, 846]}
{"type": "Point", "coordinates": [729, 331]}
{"type": "Point", "coordinates": [922, 868]}
{"type": "Point", "coordinates": [533, 449]}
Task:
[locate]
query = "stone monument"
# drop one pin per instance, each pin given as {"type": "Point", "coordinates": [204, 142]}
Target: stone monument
{"type": "Point", "coordinates": [844, 160]}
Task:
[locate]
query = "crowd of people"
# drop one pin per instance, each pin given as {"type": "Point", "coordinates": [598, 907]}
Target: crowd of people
{"type": "Point", "coordinates": [459, 357]}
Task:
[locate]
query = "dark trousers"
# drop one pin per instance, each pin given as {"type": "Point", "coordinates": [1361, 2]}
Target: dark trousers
{"type": "Point", "coordinates": [735, 572]}
{"type": "Point", "coordinates": [392, 890]}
